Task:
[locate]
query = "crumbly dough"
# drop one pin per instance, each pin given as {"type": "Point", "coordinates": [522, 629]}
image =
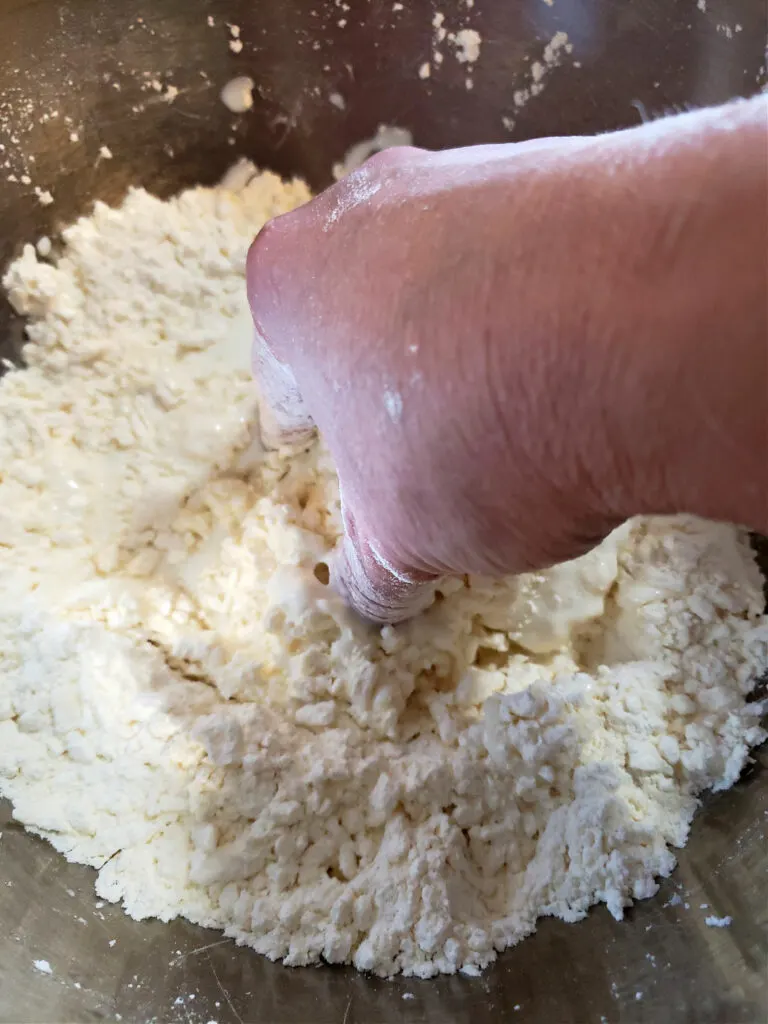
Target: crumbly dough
{"type": "Point", "coordinates": [187, 707]}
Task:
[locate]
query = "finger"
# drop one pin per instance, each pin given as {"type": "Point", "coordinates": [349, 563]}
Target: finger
{"type": "Point", "coordinates": [377, 589]}
{"type": "Point", "coordinates": [284, 417]}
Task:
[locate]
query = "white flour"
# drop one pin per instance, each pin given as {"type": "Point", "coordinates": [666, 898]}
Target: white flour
{"type": "Point", "coordinates": [237, 94]}
{"type": "Point", "coordinates": [185, 706]}
{"type": "Point", "coordinates": [552, 56]}
{"type": "Point", "coordinates": [386, 137]}
{"type": "Point", "coordinates": [467, 42]}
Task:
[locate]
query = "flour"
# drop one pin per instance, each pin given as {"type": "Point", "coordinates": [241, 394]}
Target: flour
{"type": "Point", "coordinates": [386, 137]}
{"type": "Point", "coordinates": [467, 42]}
{"type": "Point", "coordinates": [552, 56]}
{"type": "Point", "coordinates": [187, 707]}
{"type": "Point", "coordinates": [237, 94]}
{"type": "Point", "coordinates": [718, 922]}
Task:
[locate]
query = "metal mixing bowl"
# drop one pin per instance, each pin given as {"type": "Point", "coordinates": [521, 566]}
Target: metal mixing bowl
{"type": "Point", "coordinates": [78, 75]}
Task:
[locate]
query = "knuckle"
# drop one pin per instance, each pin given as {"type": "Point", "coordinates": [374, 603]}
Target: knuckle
{"type": "Point", "coordinates": [257, 260]}
{"type": "Point", "coordinates": [266, 275]}
{"type": "Point", "coordinates": [269, 253]}
{"type": "Point", "coordinates": [393, 158]}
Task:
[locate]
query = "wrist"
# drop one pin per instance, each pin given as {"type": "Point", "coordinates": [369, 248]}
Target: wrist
{"type": "Point", "coordinates": [685, 338]}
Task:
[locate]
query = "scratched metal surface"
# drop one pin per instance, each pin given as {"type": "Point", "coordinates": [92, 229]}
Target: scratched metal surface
{"type": "Point", "coordinates": [90, 61]}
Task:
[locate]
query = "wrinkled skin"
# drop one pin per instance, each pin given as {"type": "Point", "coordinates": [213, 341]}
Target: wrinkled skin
{"type": "Point", "coordinates": [497, 344]}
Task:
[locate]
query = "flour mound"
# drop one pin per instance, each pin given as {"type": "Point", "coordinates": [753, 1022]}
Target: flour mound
{"type": "Point", "coordinates": [186, 706]}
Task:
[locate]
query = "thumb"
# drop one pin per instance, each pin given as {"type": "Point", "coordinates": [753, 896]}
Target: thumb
{"type": "Point", "coordinates": [375, 587]}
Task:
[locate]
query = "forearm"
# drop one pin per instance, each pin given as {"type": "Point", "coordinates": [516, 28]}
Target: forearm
{"type": "Point", "coordinates": [646, 321]}
{"type": "Point", "coordinates": [690, 419]}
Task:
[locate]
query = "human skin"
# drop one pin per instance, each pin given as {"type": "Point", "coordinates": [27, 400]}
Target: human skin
{"type": "Point", "coordinates": [511, 349]}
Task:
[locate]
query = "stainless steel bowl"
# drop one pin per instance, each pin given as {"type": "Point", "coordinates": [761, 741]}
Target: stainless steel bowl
{"type": "Point", "coordinates": [85, 68]}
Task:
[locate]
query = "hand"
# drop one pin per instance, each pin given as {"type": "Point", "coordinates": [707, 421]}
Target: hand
{"type": "Point", "coordinates": [474, 332]}
{"type": "Point", "coordinates": [377, 311]}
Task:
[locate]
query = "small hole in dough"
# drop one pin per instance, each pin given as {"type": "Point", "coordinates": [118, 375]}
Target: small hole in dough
{"type": "Point", "coordinates": [322, 573]}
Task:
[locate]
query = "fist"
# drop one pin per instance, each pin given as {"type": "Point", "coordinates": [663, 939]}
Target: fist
{"type": "Point", "coordinates": [431, 315]}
